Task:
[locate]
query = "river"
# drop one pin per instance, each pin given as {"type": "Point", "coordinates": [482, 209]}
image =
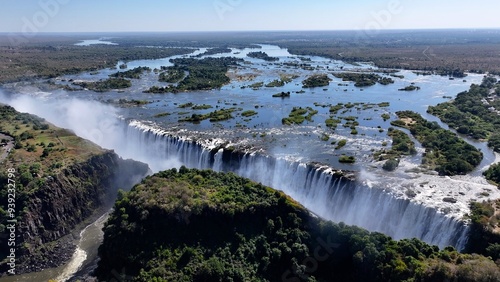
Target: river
{"type": "Point", "coordinates": [92, 116]}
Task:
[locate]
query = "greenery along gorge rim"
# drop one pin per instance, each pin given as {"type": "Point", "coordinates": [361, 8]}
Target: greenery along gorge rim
{"type": "Point", "coordinates": [42, 59]}
{"type": "Point", "coordinates": [61, 182]}
{"type": "Point", "coordinates": [200, 225]}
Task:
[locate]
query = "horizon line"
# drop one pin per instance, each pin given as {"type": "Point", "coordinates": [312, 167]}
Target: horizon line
{"type": "Point", "coordinates": [266, 30]}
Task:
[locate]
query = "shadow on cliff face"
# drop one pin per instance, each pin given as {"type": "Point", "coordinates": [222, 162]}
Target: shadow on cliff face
{"type": "Point", "coordinates": [129, 173]}
{"type": "Point", "coordinates": [57, 211]}
{"type": "Point", "coordinates": [61, 203]}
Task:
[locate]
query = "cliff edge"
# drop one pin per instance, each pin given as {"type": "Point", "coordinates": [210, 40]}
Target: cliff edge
{"type": "Point", "coordinates": [52, 183]}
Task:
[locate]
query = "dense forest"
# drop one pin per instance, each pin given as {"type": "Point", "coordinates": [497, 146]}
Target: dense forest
{"type": "Point", "coordinates": [52, 59]}
{"type": "Point", "coordinates": [199, 225]}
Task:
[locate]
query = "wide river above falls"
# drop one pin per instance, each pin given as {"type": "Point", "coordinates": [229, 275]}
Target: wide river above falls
{"type": "Point", "coordinates": [264, 132]}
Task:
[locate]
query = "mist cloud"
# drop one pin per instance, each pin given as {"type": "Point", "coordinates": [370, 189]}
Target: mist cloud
{"type": "Point", "coordinates": [91, 120]}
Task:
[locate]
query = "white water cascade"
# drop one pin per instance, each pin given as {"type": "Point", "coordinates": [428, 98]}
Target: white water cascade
{"type": "Point", "coordinates": [318, 189]}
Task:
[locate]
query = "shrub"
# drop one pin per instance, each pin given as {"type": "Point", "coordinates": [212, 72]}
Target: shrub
{"type": "Point", "coordinates": [391, 164]}
{"type": "Point", "coordinates": [347, 159]}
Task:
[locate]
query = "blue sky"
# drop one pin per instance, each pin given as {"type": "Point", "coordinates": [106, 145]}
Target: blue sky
{"type": "Point", "coordinates": [224, 15]}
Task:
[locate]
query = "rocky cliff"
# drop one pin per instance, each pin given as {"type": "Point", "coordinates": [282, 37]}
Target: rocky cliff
{"type": "Point", "coordinates": [60, 182]}
{"type": "Point", "coordinates": [78, 193]}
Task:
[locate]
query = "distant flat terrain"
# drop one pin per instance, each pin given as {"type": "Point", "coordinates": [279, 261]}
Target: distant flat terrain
{"type": "Point", "coordinates": [443, 51]}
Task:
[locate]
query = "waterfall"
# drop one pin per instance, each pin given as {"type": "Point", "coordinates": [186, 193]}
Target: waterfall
{"type": "Point", "coordinates": [328, 195]}
{"type": "Point", "coordinates": [218, 160]}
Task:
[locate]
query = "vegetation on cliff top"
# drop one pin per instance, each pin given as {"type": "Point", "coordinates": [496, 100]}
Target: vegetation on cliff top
{"type": "Point", "coordinates": [59, 180]}
{"type": "Point", "coordinates": [39, 141]}
{"type": "Point", "coordinates": [199, 225]}
{"type": "Point", "coordinates": [40, 150]}
{"type": "Point", "coordinates": [485, 229]}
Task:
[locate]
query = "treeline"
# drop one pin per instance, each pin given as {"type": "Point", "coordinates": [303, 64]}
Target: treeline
{"type": "Point", "coordinates": [394, 51]}
{"type": "Point", "coordinates": [199, 225]}
{"type": "Point", "coordinates": [49, 61]}
{"type": "Point", "coordinates": [445, 152]}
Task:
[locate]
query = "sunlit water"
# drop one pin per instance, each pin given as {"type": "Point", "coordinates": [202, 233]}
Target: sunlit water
{"type": "Point", "coordinates": [95, 42]}
{"type": "Point", "coordinates": [265, 130]}
{"type": "Point", "coordinates": [84, 255]}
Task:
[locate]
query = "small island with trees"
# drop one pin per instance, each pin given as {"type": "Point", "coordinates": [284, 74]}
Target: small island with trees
{"type": "Point", "coordinates": [445, 151]}
{"type": "Point", "coordinates": [409, 88]}
{"type": "Point", "coordinates": [202, 74]}
{"type": "Point", "coordinates": [364, 79]}
{"type": "Point", "coordinates": [262, 55]}
{"type": "Point", "coordinates": [103, 85]}
{"type": "Point", "coordinates": [317, 80]}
